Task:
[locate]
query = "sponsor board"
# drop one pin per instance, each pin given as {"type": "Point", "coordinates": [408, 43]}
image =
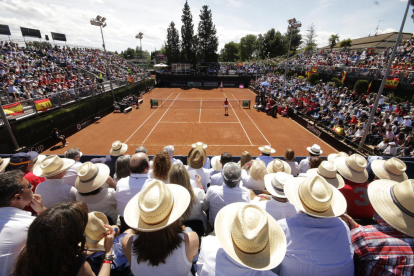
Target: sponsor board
{"type": "Point", "coordinates": [38, 148]}
{"type": "Point", "coordinates": [84, 124]}
{"type": "Point", "coordinates": [211, 84]}
{"type": "Point", "coordinates": [314, 129]}
{"type": "Point", "coordinates": [194, 84]}
{"type": "Point", "coordinates": [241, 86]}
{"type": "Point", "coordinates": [229, 84]}
{"type": "Point", "coordinates": [176, 84]}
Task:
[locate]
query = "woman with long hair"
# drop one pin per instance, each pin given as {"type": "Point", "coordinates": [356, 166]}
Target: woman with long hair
{"type": "Point", "coordinates": [290, 159]}
{"type": "Point", "coordinates": [245, 157]}
{"type": "Point", "coordinates": [160, 167]}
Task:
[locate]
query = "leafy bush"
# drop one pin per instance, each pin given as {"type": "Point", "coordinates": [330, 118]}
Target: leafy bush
{"type": "Point", "coordinates": [289, 73]}
{"type": "Point", "coordinates": [314, 78]}
{"type": "Point", "coordinates": [337, 82]}
{"type": "Point", "coordinates": [361, 86]}
{"type": "Point", "coordinates": [276, 71]}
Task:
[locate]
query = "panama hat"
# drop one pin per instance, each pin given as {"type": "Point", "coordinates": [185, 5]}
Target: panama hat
{"type": "Point", "coordinates": [199, 144]}
{"type": "Point", "coordinates": [94, 230]}
{"type": "Point", "coordinates": [316, 197]}
{"type": "Point", "coordinates": [38, 160]}
{"type": "Point", "coordinates": [333, 156]}
{"type": "Point", "coordinates": [250, 236]}
{"type": "Point", "coordinates": [275, 183]}
{"type": "Point", "coordinates": [53, 165]}
{"type": "Point", "coordinates": [3, 163]}
{"type": "Point", "coordinates": [278, 165]}
{"type": "Point", "coordinates": [353, 168]}
{"type": "Point", "coordinates": [118, 148]}
{"type": "Point", "coordinates": [328, 171]}
{"type": "Point", "coordinates": [267, 150]}
{"type": "Point", "coordinates": [196, 157]}
{"type": "Point", "coordinates": [315, 149]}
{"type": "Point", "coordinates": [91, 176]}
{"type": "Point", "coordinates": [156, 206]}
{"type": "Point", "coordinates": [394, 202]}
{"type": "Point", "coordinates": [392, 169]}
{"type": "Point", "coordinates": [215, 163]}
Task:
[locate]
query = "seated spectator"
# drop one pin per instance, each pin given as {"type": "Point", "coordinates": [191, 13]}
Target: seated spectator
{"type": "Point", "coordinates": [328, 171]}
{"type": "Point", "coordinates": [315, 150]}
{"type": "Point", "coordinates": [245, 157]}
{"type": "Point", "coordinates": [333, 156]}
{"type": "Point", "coordinates": [4, 162]}
{"type": "Point", "coordinates": [266, 152]}
{"type": "Point", "coordinates": [290, 160]}
{"type": "Point", "coordinates": [408, 146]}
{"type": "Point", "coordinates": [216, 166]}
{"type": "Point", "coordinates": [358, 134]}
{"type": "Point", "coordinates": [391, 150]}
{"type": "Point", "coordinates": [195, 160]}
{"type": "Point", "coordinates": [170, 150]}
{"type": "Point", "coordinates": [116, 151]}
{"type": "Point", "coordinates": [217, 179]}
{"type": "Point", "coordinates": [122, 168]}
{"type": "Point", "coordinates": [382, 146]}
{"type": "Point", "coordinates": [392, 169]}
{"type": "Point", "coordinates": [314, 162]}
{"type": "Point", "coordinates": [254, 179]}
{"type": "Point", "coordinates": [57, 136]}
{"type": "Point", "coordinates": [160, 167]}
{"type": "Point", "coordinates": [72, 172]}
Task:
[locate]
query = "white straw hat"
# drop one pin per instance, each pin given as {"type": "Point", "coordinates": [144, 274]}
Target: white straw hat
{"type": "Point", "coordinates": [91, 176]}
{"type": "Point", "coordinates": [328, 171]}
{"type": "Point", "coordinates": [353, 168]}
{"type": "Point", "coordinates": [267, 150]}
{"type": "Point", "coordinates": [197, 157]}
{"type": "Point", "coordinates": [394, 202]}
{"type": "Point", "coordinates": [333, 156]}
{"type": "Point", "coordinates": [53, 165]}
{"type": "Point", "coordinates": [392, 169]}
{"type": "Point", "coordinates": [215, 163]}
{"type": "Point", "coordinates": [157, 206]}
{"type": "Point", "coordinates": [316, 197]}
{"type": "Point", "coordinates": [315, 149]}
{"type": "Point", "coordinates": [118, 148]}
{"type": "Point", "coordinates": [3, 163]}
{"type": "Point", "coordinates": [199, 144]}
{"type": "Point", "coordinates": [250, 236]}
{"type": "Point", "coordinates": [38, 160]}
{"type": "Point", "coordinates": [278, 165]}
{"type": "Point", "coordinates": [275, 183]}
{"type": "Point", "coordinates": [94, 230]}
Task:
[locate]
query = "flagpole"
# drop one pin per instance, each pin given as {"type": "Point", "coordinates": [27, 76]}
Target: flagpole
{"type": "Point", "coordinates": [374, 108]}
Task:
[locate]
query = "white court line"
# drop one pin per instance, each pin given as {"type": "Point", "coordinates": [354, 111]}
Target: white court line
{"type": "Point", "coordinates": [165, 122]}
{"type": "Point", "coordinates": [254, 123]}
{"type": "Point", "coordinates": [146, 120]}
{"type": "Point", "coordinates": [160, 118]}
{"type": "Point", "coordinates": [191, 145]}
{"type": "Point", "coordinates": [199, 118]}
{"type": "Point", "coordinates": [240, 122]}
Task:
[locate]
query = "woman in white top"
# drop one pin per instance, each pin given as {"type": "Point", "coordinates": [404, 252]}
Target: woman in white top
{"type": "Point", "coordinates": [254, 179]}
{"type": "Point", "coordinates": [294, 166]}
{"type": "Point", "coordinates": [161, 165]}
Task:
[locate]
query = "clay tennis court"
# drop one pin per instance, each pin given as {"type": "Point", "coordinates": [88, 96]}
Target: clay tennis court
{"type": "Point", "coordinates": [189, 116]}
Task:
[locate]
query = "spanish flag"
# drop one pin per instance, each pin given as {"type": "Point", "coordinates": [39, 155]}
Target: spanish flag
{"type": "Point", "coordinates": [369, 87]}
{"type": "Point", "coordinates": [344, 76]}
{"type": "Point", "coordinates": [13, 109]}
{"type": "Point", "coordinates": [43, 105]}
{"type": "Point", "coordinates": [392, 83]}
{"type": "Point", "coordinates": [314, 69]}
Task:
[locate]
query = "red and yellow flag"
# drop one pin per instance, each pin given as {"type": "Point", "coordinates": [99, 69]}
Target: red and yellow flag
{"type": "Point", "coordinates": [314, 69]}
{"type": "Point", "coordinates": [369, 87]}
{"type": "Point", "coordinates": [13, 109]}
{"type": "Point", "coordinates": [392, 83]}
{"type": "Point", "coordinates": [43, 105]}
{"type": "Point", "coordinates": [344, 76]}
{"type": "Point", "coordinates": [308, 74]}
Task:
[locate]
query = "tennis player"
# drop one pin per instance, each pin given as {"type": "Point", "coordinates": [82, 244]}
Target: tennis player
{"type": "Point", "coordinates": [226, 107]}
{"type": "Point", "coordinates": [221, 86]}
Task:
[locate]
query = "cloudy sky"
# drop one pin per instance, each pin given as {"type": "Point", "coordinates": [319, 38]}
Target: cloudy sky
{"type": "Point", "coordinates": [233, 18]}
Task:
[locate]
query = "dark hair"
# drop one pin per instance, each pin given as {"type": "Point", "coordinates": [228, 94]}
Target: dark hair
{"type": "Point", "coordinates": [155, 247]}
{"type": "Point", "coordinates": [314, 162]}
{"type": "Point", "coordinates": [53, 241]}
{"type": "Point", "coordinates": [141, 167]}
{"type": "Point", "coordinates": [225, 158]}
{"type": "Point", "coordinates": [141, 149]}
{"type": "Point", "coordinates": [122, 167]}
{"type": "Point", "coordinates": [9, 186]}
{"type": "Point", "coordinates": [72, 153]}
{"type": "Point", "coordinates": [289, 154]}
{"type": "Point", "coordinates": [161, 165]}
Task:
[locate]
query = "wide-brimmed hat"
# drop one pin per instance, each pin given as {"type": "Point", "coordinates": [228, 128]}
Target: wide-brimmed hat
{"type": "Point", "coordinates": [267, 149]}
{"type": "Point", "coordinates": [333, 156]}
{"type": "Point", "coordinates": [215, 163]}
{"type": "Point", "coordinates": [278, 165]}
{"type": "Point", "coordinates": [118, 148]}
{"type": "Point", "coordinates": [91, 176]}
{"type": "Point", "coordinates": [21, 159]}
{"type": "Point", "coordinates": [94, 230]}
{"type": "Point", "coordinates": [328, 171]}
{"type": "Point", "coordinates": [3, 163]}
{"type": "Point", "coordinates": [275, 183]}
{"type": "Point", "coordinates": [315, 149]}
{"type": "Point", "coordinates": [199, 144]}
{"type": "Point", "coordinates": [394, 202]}
{"type": "Point", "coordinates": [392, 169]}
{"type": "Point", "coordinates": [156, 206]}
{"type": "Point", "coordinates": [250, 236]}
{"type": "Point", "coordinates": [196, 157]}
{"type": "Point", "coordinates": [52, 165]}
{"type": "Point", "coordinates": [38, 160]}
{"type": "Point", "coordinates": [353, 168]}
{"type": "Point", "coordinates": [316, 197]}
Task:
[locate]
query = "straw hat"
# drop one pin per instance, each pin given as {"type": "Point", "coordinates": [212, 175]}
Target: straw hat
{"type": "Point", "coordinates": [328, 171]}
{"type": "Point", "coordinates": [315, 149]}
{"type": "Point", "coordinates": [250, 236]}
{"type": "Point", "coordinates": [53, 165]}
{"type": "Point", "coordinates": [333, 156]}
{"type": "Point", "coordinates": [199, 145]}
{"type": "Point", "coordinates": [38, 160]}
{"type": "Point", "coordinates": [316, 197]}
{"type": "Point", "coordinates": [275, 183]}
{"type": "Point", "coordinates": [157, 206]}
{"type": "Point", "coordinates": [393, 169]}
{"type": "Point", "coordinates": [215, 163]}
{"type": "Point", "coordinates": [94, 230]}
{"type": "Point", "coordinates": [91, 176]}
{"type": "Point", "coordinates": [353, 168]}
{"type": "Point", "coordinates": [196, 157]}
{"type": "Point", "coordinates": [278, 165]}
{"type": "Point", "coordinates": [394, 202]}
{"type": "Point", "coordinates": [3, 163]}
{"type": "Point", "coordinates": [267, 150]}
{"type": "Point", "coordinates": [118, 148]}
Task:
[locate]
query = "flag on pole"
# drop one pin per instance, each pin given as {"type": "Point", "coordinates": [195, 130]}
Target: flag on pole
{"type": "Point", "coordinates": [344, 76]}
{"type": "Point", "coordinates": [13, 109]}
{"type": "Point", "coordinates": [314, 69]}
{"type": "Point", "coordinates": [392, 83]}
{"type": "Point", "coordinates": [369, 87]}
{"type": "Point", "coordinates": [43, 105]}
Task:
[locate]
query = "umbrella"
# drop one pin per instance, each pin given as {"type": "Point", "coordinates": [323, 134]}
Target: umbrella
{"type": "Point", "coordinates": [158, 65]}
{"type": "Point", "coordinates": [265, 84]}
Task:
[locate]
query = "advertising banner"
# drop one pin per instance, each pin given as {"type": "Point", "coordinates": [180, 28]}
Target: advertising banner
{"type": "Point", "coordinates": [4, 30]}
{"type": "Point", "coordinates": [194, 84]}
{"type": "Point", "coordinates": [30, 32]}
{"type": "Point", "coordinates": [211, 84]}
{"type": "Point", "coordinates": [43, 105]}
{"type": "Point", "coordinates": [57, 36]}
{"type": "Point", "coordinates": [13, 109]}
{"type": "Point", "coordinates": [176, 84]}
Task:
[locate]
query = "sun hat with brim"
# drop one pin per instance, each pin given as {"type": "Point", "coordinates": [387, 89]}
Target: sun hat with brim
{"type": "Point", "coordinates": [333, 156]}
{"type": "Point", "coordinates": [118, 148]}
{"type": "Point", "coordinates": [38, 160]}
{"type": "Point", "coordinates": [199, 144]}
{"type": "Point", "coordinates": [196, 158]}
{"type": "Point", "coordinates": [328, 171]}
{"type": "Point", "coordinates": [215, 163]}
{"type": "Point", "coordinates": [53, 165]}
{"type": "Point", "coordinates": [157, 206]}
{"type": "Point", "coordinates": [353, 168]}
{"type": "Point", "coordinates": [278, 165]}
{"type": "Point", "coordinates": [316, 197]}
{"type": "Point", "coordinates": [94, 230]}
{"type": "Point", "coordinates": [3, 163]}
{"type": "Point", "coordinates": [267, 149]}
{"type": "Point", "coordinates": [392, 169]}
{"type": "Point", "coordinates": [250, 236]}
{"type": "Point", "coordinates": [315, 149]}
{"type": "Point", "coordinates": [275, 183]}
{"type": "Point", "coordinates": [394, 202]}
{"type": "Point", "coordinates": [91, 176]}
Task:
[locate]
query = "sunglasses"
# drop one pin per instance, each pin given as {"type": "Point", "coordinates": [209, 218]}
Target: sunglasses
{"type": "Point", "coordinates": [28, 187]}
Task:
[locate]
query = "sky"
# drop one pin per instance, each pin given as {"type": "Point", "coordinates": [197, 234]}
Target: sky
{"type": "Point", "coordinates": [233, 19]}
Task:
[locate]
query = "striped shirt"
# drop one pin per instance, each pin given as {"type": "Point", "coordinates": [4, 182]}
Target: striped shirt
{"type": "Point", "coordinates": [382, 250]}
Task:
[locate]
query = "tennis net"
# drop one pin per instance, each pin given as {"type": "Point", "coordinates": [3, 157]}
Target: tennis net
{"type": "Point", "coordinates": [198, 103]}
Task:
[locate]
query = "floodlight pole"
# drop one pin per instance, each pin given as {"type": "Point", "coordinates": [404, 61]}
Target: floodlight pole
{"type": "Point", "coordinates": [107, 64]}
{"type": "Point", "coordinates": [260, 42]}
{"type": "Point", "coordinates": [374, 108]}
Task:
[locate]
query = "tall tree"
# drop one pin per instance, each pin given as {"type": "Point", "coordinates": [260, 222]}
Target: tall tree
{"type": "Point", "coordinates": [187, 33]}
{"type": "Point", "coordinates": [310, 37]}
{"type": "Point", "coordinates": [207, 35]}
{"type": "Point", "coordinates": [230, 52]}
{"type": "Point", "coordinates": [273, 44]}
{"type": "Point", "coordinates": [296, 40]}
{"type": "Point", "coordinates": [248, 45]}
{"type": "Point", "coordinates": [172, 47]}
{"type": "Point", "coordinates": [333, 40]}
{"type": "Point", "coordinates": [346, 43]}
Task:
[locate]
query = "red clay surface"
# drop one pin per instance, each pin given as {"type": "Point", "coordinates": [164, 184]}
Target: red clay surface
{"type": "Point", "coordinates": [182, 124]}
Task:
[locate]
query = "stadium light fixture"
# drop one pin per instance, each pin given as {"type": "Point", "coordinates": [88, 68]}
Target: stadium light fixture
{"type": "Point", "coordinates": [139, 36]}
{"type": "Point", "coordinates": [260, 42]}
{"type": "Point", "coordinates": [103, 19]}
{"type": "Point", "coordinates": [293, 25]}
{"type": "Point", "coordinates": [98, 17]}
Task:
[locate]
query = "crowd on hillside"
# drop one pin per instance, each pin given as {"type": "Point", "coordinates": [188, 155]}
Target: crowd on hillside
{"type": "Point", "coordinates": [127, 215]}
{"type": "Point", "coordinates": [38, 70]}
{"type": "Point", "coordinates": [342, 112]}
{"type": "Point", "coordinates": [244, 68]}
